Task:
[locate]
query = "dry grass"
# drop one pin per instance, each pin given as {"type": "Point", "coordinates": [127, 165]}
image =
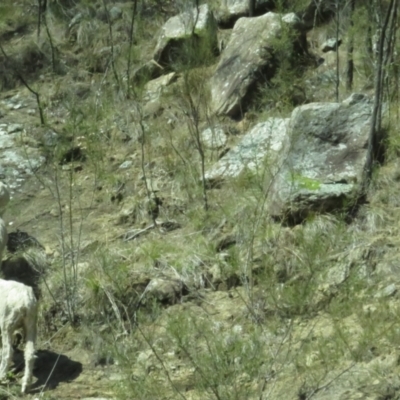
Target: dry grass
{"type": "Point", "coordinates": [267, 300]}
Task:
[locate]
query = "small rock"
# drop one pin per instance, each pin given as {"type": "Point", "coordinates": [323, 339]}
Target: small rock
{"type": "Point", "coordinates": [115, 377]}
{"type": "Point", "coordinates": [144, 356]}
{"type": "Point", "coordinates": [115, 13]}
{"type": "Point", "coordinates": [216, 274]}
{"type": "Point", "coordinates": [54, 212]}
{"type": "Point", "coordinates": [126, 164]}
{"type": "Point", "coordinates": [83, 266]}
{"type": "Point", "coordinates": [388, 291]}
{"type": "Point", "coordinates": [14, 128]}
{"type": "Point", "coordinates": [50, 138]}
{"type": "Point", "coordinates": [31, 111]}
{"type": "Point", "coordinates": [75, 20]}
{"type": "Point", "coordinates": [127, 215]}
{"type": "Point", "coordinates": [48, 251]}
{"type": "Point", "coordinates": [167, 291]}
{"type": "Point", "coordinates": [331, 45]}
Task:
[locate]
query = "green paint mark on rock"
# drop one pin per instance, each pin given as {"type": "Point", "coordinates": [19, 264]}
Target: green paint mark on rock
{"type": "Point", "coordinates": [303, 182]}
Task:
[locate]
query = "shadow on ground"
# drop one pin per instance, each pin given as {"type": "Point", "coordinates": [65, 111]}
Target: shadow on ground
{"type": "Point", "coordinates": [50, 369]}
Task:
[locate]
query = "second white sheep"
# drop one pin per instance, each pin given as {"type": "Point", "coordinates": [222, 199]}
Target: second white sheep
{"type": "Point", "coordinates": [18, 310]}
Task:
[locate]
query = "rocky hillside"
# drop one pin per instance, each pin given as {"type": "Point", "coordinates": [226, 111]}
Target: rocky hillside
{"type": "Point", "coordinates": [205, 197]}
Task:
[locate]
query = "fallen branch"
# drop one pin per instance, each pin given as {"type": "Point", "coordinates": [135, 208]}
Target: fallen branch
{"type": "Point", "coordinates": [165, 226]}
{"type": "Point", "coordinates": [133, 234]}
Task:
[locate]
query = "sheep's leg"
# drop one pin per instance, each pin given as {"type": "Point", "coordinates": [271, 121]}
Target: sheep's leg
{"type": "Point", "coordinates": [29, 353]}
{"type": "Point", "coordinates": [7, 352]}
{"type": "Point", "coordinates": [29, 362]}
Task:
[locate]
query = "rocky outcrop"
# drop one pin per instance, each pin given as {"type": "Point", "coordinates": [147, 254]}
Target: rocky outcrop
{"type": "Point", "coordinates": [196, 27]}
{"type": "Point", "coordinates": [265, 141]}
{"type": "Point", "coordinates": [323, 166]}
{"type": "Point", "coordinates": [249, 58]}
{"type": "Point", "coordinates": [312, 162]}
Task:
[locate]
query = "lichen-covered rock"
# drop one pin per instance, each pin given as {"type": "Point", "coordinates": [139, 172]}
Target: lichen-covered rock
{"type": "Point", "coordinates": [249, 56]}
{"type": "Point", "coordinates": [257, 151]}
{"type": "Point", "coordinates": [324, 164]}
{"type": "Point", "coordinates": [214, 137]}
{"type": "Point", "coordinates": [197, 26]}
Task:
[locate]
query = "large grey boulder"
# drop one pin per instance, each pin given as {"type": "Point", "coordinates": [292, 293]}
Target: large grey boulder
{"type": "Point", "coordinates": [323, 166]}
{"type": "Point", "coordinates": [179, 30]}
{"type": "Point", "coordinates": [228, 11]}
{"type": "Point", "coordinates": [248, 57]}
{"type": "Point", "coordinates": [257, 152]}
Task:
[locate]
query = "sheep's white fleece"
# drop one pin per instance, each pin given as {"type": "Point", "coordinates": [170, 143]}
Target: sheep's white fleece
{"type": "Point", "coordinates": [18, 310]}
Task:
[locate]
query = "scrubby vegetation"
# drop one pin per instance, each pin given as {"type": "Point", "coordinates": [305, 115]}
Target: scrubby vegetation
{"type": "Point", "coordinates": [161, 284]}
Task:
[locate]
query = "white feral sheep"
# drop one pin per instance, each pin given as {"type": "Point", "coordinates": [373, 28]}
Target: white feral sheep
{"type": "Point", "coordinates": [18, 310]}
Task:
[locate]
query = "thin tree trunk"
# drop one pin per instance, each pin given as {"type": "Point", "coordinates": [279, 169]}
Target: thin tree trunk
{"type": "Point", "coordinates": [128, 68]}
{"type": "Point", "coordinates": [337, 83]}
{"type": "Point", "coordinates": [25, 83]}
{"type": "Point", "coordinates": [111, 44]}
{"type": "Point", "coordinates": [373, 140]}
{"type": "Point", "coordinates": [350, 49]}
{"type": "Point", "coordinates": [252, 7]}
